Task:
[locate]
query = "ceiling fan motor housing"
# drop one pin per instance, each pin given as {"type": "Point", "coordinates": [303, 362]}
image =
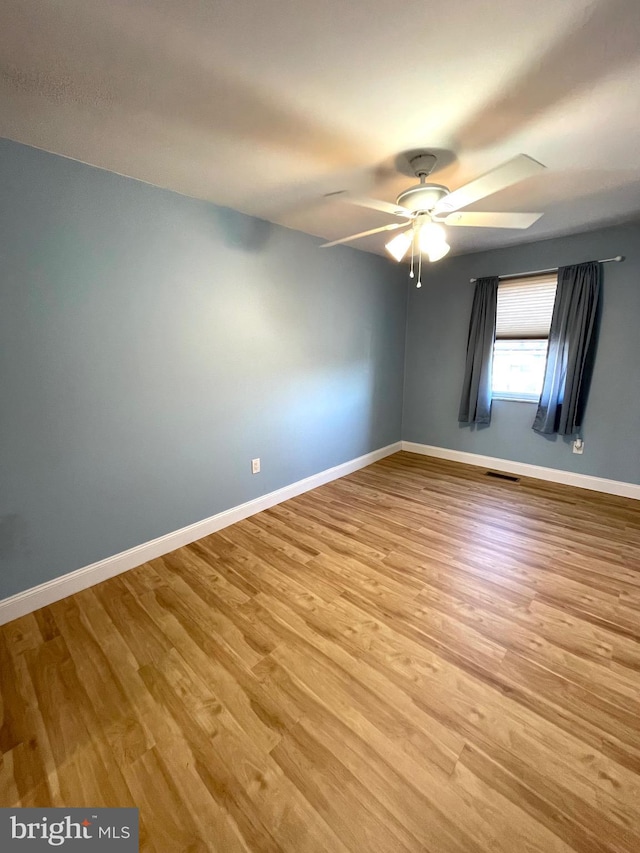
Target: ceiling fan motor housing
{"type": "Point", "coordinates": [422, 197]}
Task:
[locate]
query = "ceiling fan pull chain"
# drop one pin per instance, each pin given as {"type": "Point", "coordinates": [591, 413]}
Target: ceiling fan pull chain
{"type": "Point", "coordinates": [413, 248]}
{"type": "Point", "coordinates": [419, 284]}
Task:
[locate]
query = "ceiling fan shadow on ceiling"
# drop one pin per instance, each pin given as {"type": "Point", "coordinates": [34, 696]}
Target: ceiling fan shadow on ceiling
{"type": "Point", "coordinates": [427, 207]}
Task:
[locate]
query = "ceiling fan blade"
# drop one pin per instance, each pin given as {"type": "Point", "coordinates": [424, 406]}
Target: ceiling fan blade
{"type": "Point", "coordinates": [371, 203]}
{"type": "Point", "coordinates": [391, 227]}
{"type": "Point", "coordinates": [511, 172]}
{"type": "Point", "coordinates": [492, 220]}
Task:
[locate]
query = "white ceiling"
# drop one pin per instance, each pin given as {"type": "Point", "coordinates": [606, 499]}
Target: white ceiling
{"type": "Point", "coordinates": [266, 106]}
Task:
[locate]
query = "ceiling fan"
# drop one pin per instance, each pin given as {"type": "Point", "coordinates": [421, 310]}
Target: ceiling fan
{"type": "Point", "coordinates": [426, 207]}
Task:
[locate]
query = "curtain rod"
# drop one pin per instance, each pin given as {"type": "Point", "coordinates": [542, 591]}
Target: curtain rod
{"type": "Point", "coordinates": [617, 259]}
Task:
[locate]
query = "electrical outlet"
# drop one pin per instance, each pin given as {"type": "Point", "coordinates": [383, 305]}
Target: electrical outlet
{"type": "Point", "coordinates": [255, 466]}
{"type": "Point", "coordinates": [578, 446]}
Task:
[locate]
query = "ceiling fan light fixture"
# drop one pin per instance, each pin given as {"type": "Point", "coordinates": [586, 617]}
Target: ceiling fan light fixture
{"type": "Point", "coordinates": [430, 234]}
{"type": "Point", "coordinates": [436, 252]}
{"type": "Point", "coordinates": [398, 247]}
{"type": "Point", "coordinates": [432, 240]}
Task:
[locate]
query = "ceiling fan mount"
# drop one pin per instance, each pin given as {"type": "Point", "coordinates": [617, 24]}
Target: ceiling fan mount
{"type": "Point", "coordinates": [422, 163]}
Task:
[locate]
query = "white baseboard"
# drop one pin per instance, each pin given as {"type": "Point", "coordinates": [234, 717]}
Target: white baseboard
{"type": "Point", "coordinates": [524, 469]}
{"type": "Point", "coordinates": [54, 590]}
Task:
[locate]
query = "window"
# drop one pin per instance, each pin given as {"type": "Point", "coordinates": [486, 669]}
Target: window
{"type": "Point", "coordinates": [525, 306]}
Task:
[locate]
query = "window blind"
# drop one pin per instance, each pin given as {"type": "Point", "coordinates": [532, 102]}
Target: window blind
{"type": "Point", "coordinates": [525, 306]}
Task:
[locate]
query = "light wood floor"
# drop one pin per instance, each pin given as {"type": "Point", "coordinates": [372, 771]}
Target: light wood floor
{"type": "Point", "coordinates": [413, 658]}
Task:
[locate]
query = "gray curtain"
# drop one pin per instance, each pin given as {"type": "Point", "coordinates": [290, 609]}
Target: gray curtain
{"type": "Point", "coordinates": [475, 403]}
{"type": "Point", "coordinates": [572, 340]}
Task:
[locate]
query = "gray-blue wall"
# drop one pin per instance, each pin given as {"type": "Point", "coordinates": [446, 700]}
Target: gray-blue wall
{"type": "Point", "coordinates": [438, 322]}
{"type": "Point", "coordinates": [151, 345]}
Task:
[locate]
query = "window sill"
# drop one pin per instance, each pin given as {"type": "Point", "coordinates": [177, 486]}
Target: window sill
{"type": "Point", "coordinates": [514, 399]}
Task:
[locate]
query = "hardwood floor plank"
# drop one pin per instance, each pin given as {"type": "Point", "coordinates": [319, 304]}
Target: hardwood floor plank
{"type": "Point", "coordinates": [125, 731]}
{"type": "Point", "coordinates": [467, 706]}
{"type": "Point", "coordinates": [356, 815]}
{"type": "Point", "coordinates": [44, 784]}
{"type": "Point", "coordinates": [244, 781]}
{"type": "Point", "coordinates": [236, 688]}
{"type": "Point", "coordinates": [167, 823]}
{"type": "Point", "coordinates": [520, 633]}
{"type": "Point", "coordinates": [574, 821]}
{"type": "Point", "coordinates": [9, 793]}
{"type": "Point", "coordinates": [83, 777]}
{"type": "Point", "coordinates": [412, 658]}
{"type": "Point", "coordinates": [333, 684]}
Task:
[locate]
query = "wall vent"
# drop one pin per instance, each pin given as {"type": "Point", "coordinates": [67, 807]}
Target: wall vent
{"type": "Point", "coordinates": [500, 476]}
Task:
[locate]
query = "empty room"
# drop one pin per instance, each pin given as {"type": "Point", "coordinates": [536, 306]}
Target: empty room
{"type": "Point", "coordinates": [320, 426]}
